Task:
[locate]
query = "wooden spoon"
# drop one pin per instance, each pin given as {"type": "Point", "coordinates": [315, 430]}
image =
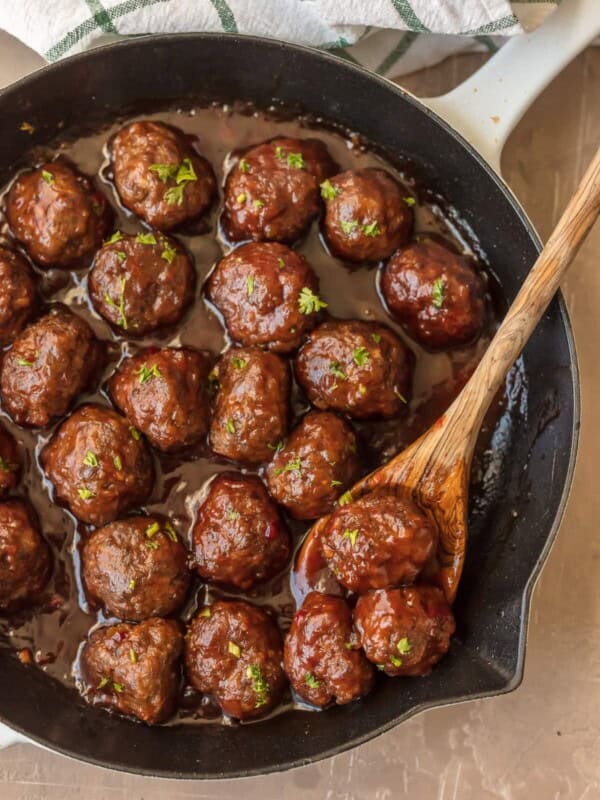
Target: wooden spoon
{"type": "Point", "coordinates": [434, 469]}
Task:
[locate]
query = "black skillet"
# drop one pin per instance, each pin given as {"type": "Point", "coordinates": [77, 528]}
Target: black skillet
{"type": "Point", "coordinates": [508, 541]}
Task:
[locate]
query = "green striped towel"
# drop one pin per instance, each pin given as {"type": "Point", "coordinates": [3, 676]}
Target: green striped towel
{"type": "Point", "coordinates": [392, 37]}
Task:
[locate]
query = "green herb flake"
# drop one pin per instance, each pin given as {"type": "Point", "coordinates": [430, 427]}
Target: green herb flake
{"type": "Point", "coordinates": [239, 363]}
{"type": "Point", "coordinates": [116, 237]}
{"type": "Point", "coordinates": [234, 649]}
{"type": "Point", "coordinates": [185, 174]}
{"type": "Point", "coordinates": [120, 306]}
{"type": "Point", "coordinates": [205, 612]}
{"type": "Point", "coordinates": [311, 681]}
{"type": "Point", "coordinates": [296, 160]}
{"type": "Point", "coordinates": [241, 198]}
{"type": "Point", "coordinates": [244, 165]}
{"type": "Point", "coordinates": [230, 425]}
{"type": "Point", "coordinates": [169, 254]}
{"type": "Point", "coordinates": [135, 434]}
{"type": "Point", "coordinates": [250, 285]}
{"type": "Point", "coordinates": [376, 337]}
{"type": "Point", "coordinates": [164, 171]}
{"type": "Point", "coordinates": [85, 493]}
{"type": "Point", "coordinates": [23, 362]}
{"type": "Point", "coordinates": [438, 292]}
{"type": "Point", "coordinates": [404, 646]}
{"type": "Point", "coordinates": [349, 225]}
{"type": "Point", "coordinates": [281, 263]}
{"type": "Point", "coordinates": [336, 369]}
{"type": "Point", "coordinates": [352, 535]}
{"type": "Point", "coordinates": [362, 389]}
{"type": "Point", "coordinates": [279, 152]}
{"type": "Point", "coordinates": [295, 465]}
{"type": "Point", "coordinates": [360, 356]}
{"type": "Point", "coordinates": [260, 685]}
{"type": "Point", "coordinates": [410, 201]}
{"type": "Point", "coordinates": [132, 655]}
{"type": "Point", "coordinates": [121, 255]}
{"type": "Point", "coordinates": [380, 667]}
{"type": "Point", "coordinates": [276, 447]}
{"type": "Point", "coordinates": [152, 544]}
{"type": "Point", "coordinates": [259, 203]}
{"type": "Point", "coordinates": [333, 484]}
{"type": "Point", "coordinates": [233, 515]}
{"type": "Point", "coordinates": [397, 662]}
{"type": "Point", "coordinates": [371, 229]}
{"type": "Point", "coordinates": [48, 177]}
{"type": "Point", "coordinates": [146, 238]}
{"type": "Point", "coordinates": [309, 302]}
{"type": "Point", "coordinates": [152, 529]}
{"type": "Point", "coordinates": [328, 190]}
{"type": "Point", "coordinates": [103, 682]}
{"type": "Point", "coordinates": [345, 498]}
{"type": "Point", "coordinates": [91, 460]}
{"type": "Point", "coordinates": [349, 645]}
{"type": "Point", "coordinates": [146, 373]}
{"type": "Point", "coordinates": [118, 687]}
{"type": "Point", "coordinates": [5, 466]}
{"type": "Point", "coordinates": [131, 584]}
{"type": "Point", "coordinates": [171, 532]}
{"type": "Point", "coordinates": [118, 463]}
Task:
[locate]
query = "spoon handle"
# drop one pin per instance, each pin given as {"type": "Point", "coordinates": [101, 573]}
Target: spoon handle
{"type": "Point", "coordinates": [463, 419]}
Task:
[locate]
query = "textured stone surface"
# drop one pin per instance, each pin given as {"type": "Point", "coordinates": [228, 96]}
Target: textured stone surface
{"type": "Point", "coordinates": [541, 742]}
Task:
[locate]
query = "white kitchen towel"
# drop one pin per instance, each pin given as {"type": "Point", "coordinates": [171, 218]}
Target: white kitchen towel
{"type": "Point", "coordinates": [392, 37]}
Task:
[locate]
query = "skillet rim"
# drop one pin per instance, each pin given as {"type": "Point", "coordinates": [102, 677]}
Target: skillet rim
{"type": "Point", "coordinates": [171, 39]}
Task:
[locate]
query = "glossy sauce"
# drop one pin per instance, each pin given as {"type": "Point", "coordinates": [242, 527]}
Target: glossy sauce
{"type": "Point", "coordinates": [55, 632]}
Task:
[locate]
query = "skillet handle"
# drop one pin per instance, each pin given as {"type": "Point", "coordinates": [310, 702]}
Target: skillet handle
{"type": "Point", "coordinates": [488, 105]}
{"type": "Point", "coordinates": [8, 737]}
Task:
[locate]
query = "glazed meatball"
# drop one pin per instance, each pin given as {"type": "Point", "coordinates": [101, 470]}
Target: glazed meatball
{"type": "Point", "coordinates": [57, 215]}
{"type": "Point", "coordinates": [251, 410]}
{"type": "Point", "coordinates": [159, 175]}
{"type": "Point", "coordinates": [378, 541]}
{"type": "Point", "coordinates": [321, 656]}
{"type": "Point", "coordinates": [98, 464]}
{"type": "Point", "coordinates": [10, 462]}
{"type": "Point", "coordinates": [317, 464]}
{"type": "Point", "coordinates": [24, 556]}
{"type": "Point", "coordinates": [267, 294]}
{"type": "Point", "coordinates": [359, 368]}
{"type": "Point", "coordinates": [134, 669]}
{"type": "Point", "coordinates": [18, 295]}
{"type": "Point", "coordinates": [366, 215]}
{"type": "Point", "coordinates": [239, 538]}
{"type": "Point", "coordinates": [233, 652]}
{"type": "Point", "coordinates": [164, 393]}
{"type": "Point", "coordinates": [404, 631]}
{"type": "Point", "coordinates": [435, 294]}
{"type": "Point", "coordinates": [272, 192]}
{"type": "Point", "coordinates": [141, 283]}
{"type": "Point", "coordinates": [49, 364]}
{"type": "Point", "coordinates": [136, 568]}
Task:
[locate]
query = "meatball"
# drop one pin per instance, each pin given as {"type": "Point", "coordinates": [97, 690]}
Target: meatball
{"type": "Point", "coordinates": [404, 631]}
{"type": "Point", "coordinates": [366, 216]}
{"type": "Point", "coordinates": [57, 215]}
{"type": "Point", "coordinates": [141, 283]}
{"type": "Point", "coordinates": [359, 368]}
{"type": "Point", "coordinates": [317, 464]}
{"type": "Point", "coordinates": [321, 656]}
{"type": "Point", "coordinates": [134, 669]}
{"type": "Point", "coordinates": [136, 568]}
{"type": "Point", "coordinates": [164, 393]}
{"type": "Point", "coordinates": [267, 294]}
{"type": "Point", "coordinates": [18, 295]}
{"type": "Point", "coordinates": [233, 651]}
{"type": "Point", "coordinates": [49, 364]}
{"type": "Point", "coordinates": [25, 563]}
{"type": "Point", "coordinates": [378, 541]}
{"type": "Point", "coordinates": [251, 411]}
{"type": "Point", "coordinates": [435, 294]}
{"type": "Point", "coordinates": [159, 175]}
{"type": "Point", "coordinates": [272, 192]}
{"type": "Point", "coordinates": [10, 462]}
{"type": "Point", "coordinates": [239, 538]}
{"type": "Point", "coordinates": [98, 464]}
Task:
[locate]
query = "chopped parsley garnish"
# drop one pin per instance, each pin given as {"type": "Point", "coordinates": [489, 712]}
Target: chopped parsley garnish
{"type": "Point", "coordinates": [233, 515]}
{"type": "Point", "coordinates": [371, 230]}
{"type": "Point", "coordinates": [336, 369]}
{"type": "Point", "coordinates": [345, 498]}
{"type": "Point", "coordinates": [404, 646]}
{"type": "Point", "coordinates": [171, 532]}
{"type": "Point", "coordinates": [205, 612]}
{"type": "Point", "coordinates": [399, 395]}
{"type": "Point", "coordinates": [351, 534]}
{"type": "Point", "coordinates": [239, 363]}
{"type": "Point", "coordinates": [259, 684]}
{"type": "Point", "coordinates": [185, 174]}
{"type": "Point", "coordinates": [295, 465]}
{"type": "Point", "coordinates": [309, 302]}
{"type": "Point", "coordinates": [311, 681]}
{"type": "Point", "coordinates": [244, 165]}
{"type": "Point", "coordinates": [362, 389]}
{"type": "Point", "coordinates": [410, 201]}
{"type": "Point", "coordinates": [103, 682]}
{"type": "Point", "coordinates": [132, 584]}
{"type": "Point", "coordinates": [48, 177]}
{"type": "Point", "coordinates": [258, 203]}
{"type": "Point", "coordinates": [116, 237]}
{"type": "Point", "coordinates": [146, 373]}
{"type": "Point", "coordinates": [135, 434]}
{"type": "Point", "coordinates": [438, 292]}
{"type": "Point", "coordinates": [380, 667]}
{"type": "Point", "coordinates": [281, 263]}
{"type": "Point", "coordinates": [85, 493]}
{"type": "Point", "coordinates": [333, 484]}
{"type": "Point", "coordinates": [376, 337]}
{"type": "Point", "coordinates": [360, 356]}
{"type": "Point", "coordinates": [23, 362]}
{"type": "Point", "coordinates": [120, 306]}
{"type": "Point", "coordinates": [153, 545]}
{"type": "Point", "coordinates": [164, 171]}
{"type": "Point", "coordinates": [279, 152]}
{"type": "Point", "coordinates": [132, 655]}
{"type": "Point", "coordinates": [328, 190]}
{"type": "Point", "coordinates": [241, 198]}
{"type": "Point", "coordinates": [230, 425]}
{"type": "Point", "coordinates": [296, 160]}
{"type": "Point", "coordinates": [348, 225]}
{"type": "Point", "coordinates": [152, 529]}
{"type": "Point", "coordinates": [397, 662]}
{"type": "Point", "coordinates": [118, 687]}
{"type": "Point", "coordinates": [118, 463]}
{"type": "Point", "coordinates": [276, 447]}
{"type": "Point", "coordinates": [121, 255]}
{"type": "Point", "coordinates": [90, 460]}
{"type": "Point", "coordinates": [169, 254]}
{"type": "Point", "coordinates": [146, 238]}
{"type": "Point", "coordinates": [250, 285]}
{"type": "Point", "coordinates": [234, 649]}
{"type": "Point", "coordinates": [5, 466]}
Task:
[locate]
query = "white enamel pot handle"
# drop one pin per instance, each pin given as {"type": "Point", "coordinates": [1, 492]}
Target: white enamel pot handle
{"type": "Point", "coordinates": [486, 107]}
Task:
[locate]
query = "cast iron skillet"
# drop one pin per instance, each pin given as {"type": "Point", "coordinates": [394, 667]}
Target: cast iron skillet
{"type": "Point", "coordinates": [505, 551]}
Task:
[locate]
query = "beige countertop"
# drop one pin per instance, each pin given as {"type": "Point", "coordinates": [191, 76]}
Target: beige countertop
{"type": "Point", "coordinates": [542, 742]}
